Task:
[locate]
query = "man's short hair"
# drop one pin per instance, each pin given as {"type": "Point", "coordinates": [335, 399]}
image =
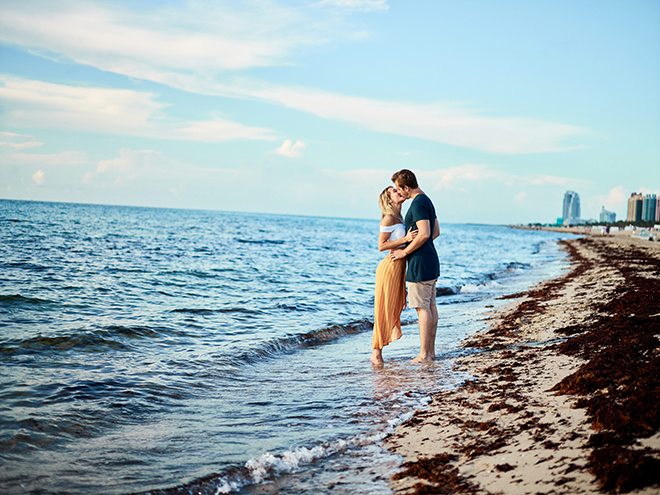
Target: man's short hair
{"type": "Point", "coordinates": [405, 178]}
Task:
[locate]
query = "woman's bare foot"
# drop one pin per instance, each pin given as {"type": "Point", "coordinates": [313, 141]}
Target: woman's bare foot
{"type": "Point", "coordinates": [377, 356]}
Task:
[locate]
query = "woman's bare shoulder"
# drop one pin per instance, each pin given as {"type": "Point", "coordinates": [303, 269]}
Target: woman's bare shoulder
{"type": "Point", "coordinates": [389, 220]}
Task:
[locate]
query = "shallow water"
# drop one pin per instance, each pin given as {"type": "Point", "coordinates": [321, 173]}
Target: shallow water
{"type": "Point", "coordinates": [174, 351]}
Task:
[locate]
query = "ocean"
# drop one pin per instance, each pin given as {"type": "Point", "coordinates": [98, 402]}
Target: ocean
{"type": "Point", "coordinates": [169, 351]}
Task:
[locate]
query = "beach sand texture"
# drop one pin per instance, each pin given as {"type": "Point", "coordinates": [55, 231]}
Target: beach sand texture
{"type": "Point", "coordinates": [565, 396]}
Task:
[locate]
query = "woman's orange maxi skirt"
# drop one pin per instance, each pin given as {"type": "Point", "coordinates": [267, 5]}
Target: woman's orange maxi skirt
{"type": "Point", "coordinates": [389, 301]}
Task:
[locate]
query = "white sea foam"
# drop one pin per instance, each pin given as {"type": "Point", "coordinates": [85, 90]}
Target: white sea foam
{"type": "Point", "coordinates": [472, 288]}
{"type": "Point", "coordinates": [469, 288]}
{"type": "Point", "coordinates": [267, 465]}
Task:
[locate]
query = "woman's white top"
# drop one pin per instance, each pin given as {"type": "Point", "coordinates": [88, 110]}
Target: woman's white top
{"type": "Point", "coordinates": [397, 231]}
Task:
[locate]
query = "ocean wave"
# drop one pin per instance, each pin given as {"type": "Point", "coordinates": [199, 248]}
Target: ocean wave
{"type": "Point", "coordinates": [16, 300]}
{"type": "Point", "coordinates": [267, 466]}
{"type": "Point", "coordinates": [485, 281]}
{"type": "Point", "coordinates": [194, 311]}
{"type": "Point", "coordinates": [511, 268]}
{"type": "Point", "coordinates": [470, 288]}
{"type": "Point", "coordinates": [206, 311]}
{"type": "Point", "coordinates": [121, 269]}
{"type": "Point", "coordinates": [264, 241]}
{"type": "Point", "coordinates": [81, 342]}
{"type": "Point", "coordinates": [138, 332]}
{"type": "Point", "coordinates": [297, 307]}
{"type": "Point", "coordinates": [212, 273]}
{"type": "Point", "coordinates": [27, 266]}
{"type": "Point", "coordinates": [84, 340]}
{"type": "Point", "coordinates": [276, 347]}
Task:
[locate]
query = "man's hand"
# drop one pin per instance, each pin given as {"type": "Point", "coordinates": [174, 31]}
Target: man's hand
{"type": "Point", "coordinates": [397, 254]}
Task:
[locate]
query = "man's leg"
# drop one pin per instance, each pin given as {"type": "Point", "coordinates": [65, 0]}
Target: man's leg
{"type": "Point", "coordinates": [428, 324]}
{"type": "Point", "coordinates": [434, 316]}
{"type": "Point", "coordinates": [422, 298]}
{"type": "Point", "coordinates": [433, 328]}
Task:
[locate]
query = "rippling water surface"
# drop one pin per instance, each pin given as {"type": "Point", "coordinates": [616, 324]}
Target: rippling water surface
{"type": "Point", "coordinates": [175, 351]}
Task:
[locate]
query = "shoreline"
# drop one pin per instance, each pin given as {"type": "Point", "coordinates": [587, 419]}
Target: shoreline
{"type": "Point", "coordinates": [564, 395]}
{"type": "Point", "coordinates": [640, 233]}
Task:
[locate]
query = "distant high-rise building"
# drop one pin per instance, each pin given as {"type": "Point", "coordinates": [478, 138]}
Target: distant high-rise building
{"type": "Point", "coordinates": [657, 209]}
{"type": "Point", "coordinates": [635, 207]}
{"type": "Point", "coordinates": [607, 216]}
{"type": "Point", "coordinates": [648, 208]}
{"type": "Point", "coordinates": [571, 211]}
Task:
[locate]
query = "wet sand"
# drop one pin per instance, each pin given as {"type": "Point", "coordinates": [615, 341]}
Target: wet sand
{"type": "Point", "coordinates": [566, 391]}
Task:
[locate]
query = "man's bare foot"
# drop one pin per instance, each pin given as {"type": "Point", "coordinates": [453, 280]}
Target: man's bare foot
{"type": "Point", "coordinates": [423, 358]}
{"type": "Point", "coordinates": [377, 356]}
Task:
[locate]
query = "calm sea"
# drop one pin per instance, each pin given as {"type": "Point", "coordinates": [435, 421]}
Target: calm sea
{"type": "Point", "coordinates": [176, 351]}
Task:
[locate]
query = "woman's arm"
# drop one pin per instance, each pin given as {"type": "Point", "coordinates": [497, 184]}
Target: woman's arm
{"type": "Point", "coordinates": [384, 244]}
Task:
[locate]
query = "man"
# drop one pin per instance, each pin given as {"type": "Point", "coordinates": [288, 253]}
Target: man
{"type": "Point", "coordinates": [423, 265]}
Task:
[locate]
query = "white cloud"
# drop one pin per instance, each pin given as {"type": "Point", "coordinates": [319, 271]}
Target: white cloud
{"type": "Point", "coordinates": [646, 190]}
{"type": "Point", "coordinates": [521, 197]}
{"type": "Point", "coordinates": [36, 103]}
{"type": "Point", "coordinates": [125, 167]}
{"type": "Point", "coordinates": [178, 189]}
{"type": "Point", "coordinates": [458, 178]}
{"type": "Point", "coordinates": [291, 150]}
{"type": "Point", "coordinates": [20, 146]}
{"type": "Point", "coordinates": [359, 5]}
{"type": "Point", "coordinates": [32, 103]}
{"type": "Point", "coordinates": [127, 161]}
{"type": "Point", "coordinates": [453, 178]}
{"type": "Point", "coordinates": [183, 48]}
{"type": "Point", "coordinates": [17, 141]}
{"type": "Point", "coordinates": [38, 177]}
{"type": "Point", "coordinates": [64, 158]}
{"type": "Point", "coordinates": [442, 122]}
{"type": "Point", "coordinates": [615, 200]}
{"type": "Point", "coordinates": [553, 179]}
{"type": "Point", "coordinates": [198, 36]}
{"type": "Point", "coordinates": [6, 135]}
{"type": "Point", "coordinates": [439, 122]}
{"type": "Point", "coordinates": [192, 36]}
{"type": "Point", "coordinates": [218, 130]}
{"type": "Point", "coordinates": [358, 181]}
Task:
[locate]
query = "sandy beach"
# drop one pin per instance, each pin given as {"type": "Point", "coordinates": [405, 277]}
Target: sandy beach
{"type": "Point", "coordinates": [564, 395]}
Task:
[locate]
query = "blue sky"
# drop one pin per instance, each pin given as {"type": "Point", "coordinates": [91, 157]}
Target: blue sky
{"type": "Point", "coordinates": [309, 107]}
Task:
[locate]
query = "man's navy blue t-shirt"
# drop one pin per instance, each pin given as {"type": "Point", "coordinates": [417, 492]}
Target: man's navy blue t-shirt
{"type": "Point", "coordinates": [423, 263]}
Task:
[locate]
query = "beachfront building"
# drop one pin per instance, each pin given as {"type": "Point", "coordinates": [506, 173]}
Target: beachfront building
{"type": "Point", "coordinates": [635, 207]}
{"type": "Point", "coordinates": [571, 211]}
{"type": "Point", "coordinates": [607, 216]}
{"type": "Point", "coordinates": [649, 208]}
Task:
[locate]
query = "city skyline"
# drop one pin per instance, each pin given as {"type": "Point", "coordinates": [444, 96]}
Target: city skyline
{"type": "Point", "coordinates": [309, 107]}
{"type": "Point", "coordinates": [643, 208]}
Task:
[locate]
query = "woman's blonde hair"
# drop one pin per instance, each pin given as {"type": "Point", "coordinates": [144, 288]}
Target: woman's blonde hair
{"type": "Point", "coordinates": [385, 206]}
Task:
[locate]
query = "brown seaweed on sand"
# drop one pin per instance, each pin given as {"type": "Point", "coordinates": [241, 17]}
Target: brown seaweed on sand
{"type": "Point", "coordinates": [442, 478]}
{"type": "Point", "coordinates": [620, 382]}
{"type": "Point", "coordinates": [605, 314]}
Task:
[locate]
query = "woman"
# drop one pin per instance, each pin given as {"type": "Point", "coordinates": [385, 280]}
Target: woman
{"type": "Point", "coordinates": [390, 296]}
